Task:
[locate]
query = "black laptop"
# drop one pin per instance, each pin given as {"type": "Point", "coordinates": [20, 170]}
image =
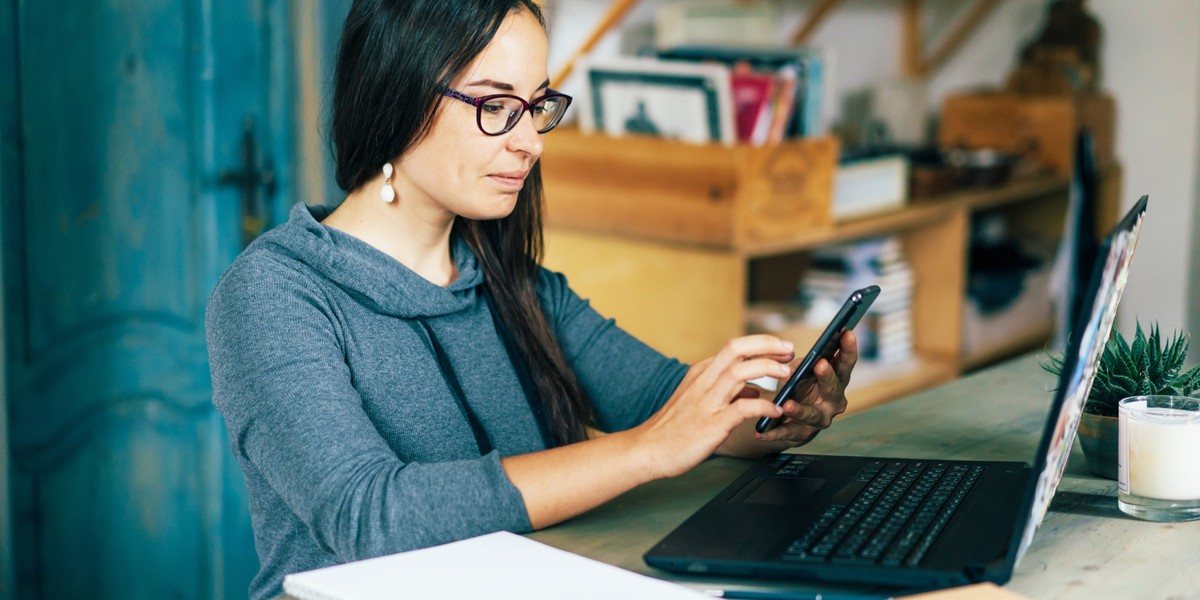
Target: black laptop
{"type": "Point", "coordinates": [913, 523]}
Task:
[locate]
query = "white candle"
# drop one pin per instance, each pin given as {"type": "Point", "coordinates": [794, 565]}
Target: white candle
{"type": "Point", "coordinates": [1159, 454]}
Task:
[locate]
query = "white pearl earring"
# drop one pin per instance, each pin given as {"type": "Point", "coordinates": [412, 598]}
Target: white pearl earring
{"type": "Point", "coordinates": [386, 192]}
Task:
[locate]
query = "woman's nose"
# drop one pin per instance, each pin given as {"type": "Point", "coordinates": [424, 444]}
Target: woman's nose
{"type": "Point", "coordinates": [524, 137]}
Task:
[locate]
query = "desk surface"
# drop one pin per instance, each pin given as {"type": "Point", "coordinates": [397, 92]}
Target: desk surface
{"type": "Point", "coordinates": [1085, 548]}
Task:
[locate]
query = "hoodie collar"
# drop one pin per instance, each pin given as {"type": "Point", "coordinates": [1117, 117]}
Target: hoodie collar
{"type": "Point", "coordinates": [383, 281]}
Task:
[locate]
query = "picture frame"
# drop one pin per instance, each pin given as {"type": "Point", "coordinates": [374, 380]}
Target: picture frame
{"type": "Point", "coordinates": [646, 96]}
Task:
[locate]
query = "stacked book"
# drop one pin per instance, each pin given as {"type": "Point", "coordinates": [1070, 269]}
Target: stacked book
{"type": "Point", "coordinates": [885, 333]}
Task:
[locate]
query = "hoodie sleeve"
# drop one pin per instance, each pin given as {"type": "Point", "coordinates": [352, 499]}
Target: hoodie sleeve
{"type": "Point", "coordinates": [282, 383]}
{"type": "Point", "coordinates": [626, 380]}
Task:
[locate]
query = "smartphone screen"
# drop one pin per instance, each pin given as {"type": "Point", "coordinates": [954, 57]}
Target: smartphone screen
{"type": "Point", "coordinates": [826, 345]}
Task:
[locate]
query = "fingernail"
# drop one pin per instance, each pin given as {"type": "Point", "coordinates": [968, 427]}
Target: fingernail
{"type": "Point", "coordinates": [788, 345]}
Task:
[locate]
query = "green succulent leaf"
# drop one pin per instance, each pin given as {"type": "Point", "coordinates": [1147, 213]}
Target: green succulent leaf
{"type": "Point", "coordinates": [1189, 382]}
{"type": "Point", "coordinates": [1147, 365]}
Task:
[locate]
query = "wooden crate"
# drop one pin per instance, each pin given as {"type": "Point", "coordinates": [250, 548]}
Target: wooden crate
{"type": "Point", "coordinates": [710, 195]}
{"type": "Point", "coordinates": [1011, 122]}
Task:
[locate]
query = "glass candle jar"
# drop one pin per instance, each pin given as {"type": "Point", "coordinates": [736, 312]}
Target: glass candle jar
{"type": "Point", "coordinates": [1158, 455]}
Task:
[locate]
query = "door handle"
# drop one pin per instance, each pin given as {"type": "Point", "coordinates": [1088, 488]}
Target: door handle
{"type": "Point", "coordinates": [256, 179]}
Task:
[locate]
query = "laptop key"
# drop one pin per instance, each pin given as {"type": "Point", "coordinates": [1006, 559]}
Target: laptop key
{"type": "Point", "coordinates": [939, 524]}
{"type": "Point", "coordinates": [892, 519]}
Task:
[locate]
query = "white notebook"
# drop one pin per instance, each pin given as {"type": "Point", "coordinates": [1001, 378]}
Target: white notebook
{"type": "Point", "coordinates": [497, 565]}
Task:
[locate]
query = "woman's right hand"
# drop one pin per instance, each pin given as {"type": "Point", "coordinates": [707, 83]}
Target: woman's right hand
{"type": "Point", "coordinates": [711, 401]}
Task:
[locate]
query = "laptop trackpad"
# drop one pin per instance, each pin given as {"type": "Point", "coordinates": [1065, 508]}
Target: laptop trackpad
{"type": "Point", "coordinates": [778, 490]}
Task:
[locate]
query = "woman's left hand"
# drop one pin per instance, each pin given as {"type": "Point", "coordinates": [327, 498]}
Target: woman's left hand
{"type": "Point", "coordinates": [813, 407]}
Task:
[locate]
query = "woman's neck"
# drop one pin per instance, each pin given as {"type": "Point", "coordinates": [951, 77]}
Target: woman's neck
{"type": "Point", "coordinates": [416, 236]}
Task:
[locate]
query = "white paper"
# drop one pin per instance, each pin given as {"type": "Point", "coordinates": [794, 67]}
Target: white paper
{"type": "Point", "coordinates": [498, 565]}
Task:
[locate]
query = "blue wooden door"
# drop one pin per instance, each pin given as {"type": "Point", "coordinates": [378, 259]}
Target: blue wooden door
{"type": "Point", "coordinates": [124, 200]}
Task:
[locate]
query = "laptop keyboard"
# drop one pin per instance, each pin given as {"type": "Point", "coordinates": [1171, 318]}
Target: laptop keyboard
{"type": "Point", "coordinates": [893, 520]}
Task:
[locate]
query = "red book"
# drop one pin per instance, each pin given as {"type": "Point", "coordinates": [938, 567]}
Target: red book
{"type": "Point", "coordinates": [752, 95]}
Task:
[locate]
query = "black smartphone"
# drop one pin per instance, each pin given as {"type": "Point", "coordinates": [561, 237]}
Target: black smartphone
{"type": "Point", "coordinates": [850, 314]}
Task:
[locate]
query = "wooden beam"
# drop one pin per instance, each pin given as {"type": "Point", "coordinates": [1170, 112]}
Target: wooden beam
{"type": "Point", "coordinates": [813, 20]}
{"type": "Point", "coordinates": [910, 39]}
{"type": "Point", "coordinates": [954, 40]}
{"type": "Point", "coordinates": [616, 11]}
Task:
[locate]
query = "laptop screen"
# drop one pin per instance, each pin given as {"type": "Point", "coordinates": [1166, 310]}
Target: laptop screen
{"type": "Point", "coordinates": [1079, 366]}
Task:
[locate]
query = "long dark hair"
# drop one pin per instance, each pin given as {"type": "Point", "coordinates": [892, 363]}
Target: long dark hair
{"type": "Point", "coordinates": [394, 59]}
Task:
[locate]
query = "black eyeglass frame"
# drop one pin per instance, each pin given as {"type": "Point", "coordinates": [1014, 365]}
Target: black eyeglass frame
{"type": "Point", "coordinates": [526, 107]}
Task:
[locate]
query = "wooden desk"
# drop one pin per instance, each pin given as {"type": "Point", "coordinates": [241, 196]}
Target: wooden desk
{"type": "Point", "coordinates": [1085, 548]}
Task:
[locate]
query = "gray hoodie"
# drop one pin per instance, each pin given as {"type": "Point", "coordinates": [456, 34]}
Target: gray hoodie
{"type": "Point", "coordinates": [350, 439]}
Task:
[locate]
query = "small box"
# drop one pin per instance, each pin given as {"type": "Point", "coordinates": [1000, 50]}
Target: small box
{"type": "Point", "coordinates": [1043, 126]}
{"type": "Point", "coordinates": [868, 186]}
{"type": "Point", "coordinates": [704, 194]}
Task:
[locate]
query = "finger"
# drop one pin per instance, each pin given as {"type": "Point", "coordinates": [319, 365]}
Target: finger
{"type": "Point", "coordinates": [739, 349]}
{"type": "Point", "coordinates": [840, 407]}
{"type": "Point", "coordinates": [810, 393]}
{"type": "Point", "coordinates": [827, 381]}
{"type": "Point", "coordinates": [805, 391]}
{"type": "Point", "coordinates": [785, 357]}
{"type": "Point", "coordinates": [820, 417]}
{"type": "Point", "coordinates": [736, 376]}
{"type": "Point", "coordinates": [750, 408]}
{"type": "Point", "coordinates": [748, 391]}
{"type": "Point", "coordinates": [803, 413]}
{"type": "Point", "coordinates": [847, 356]}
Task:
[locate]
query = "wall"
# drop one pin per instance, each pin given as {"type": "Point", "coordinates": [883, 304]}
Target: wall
{"type": "Point", "coordinates": [1150, 54]}
{"type": "Point", "coordinates": [1194, 277]}
{"type": "Point", "coordinates": [984, 60]}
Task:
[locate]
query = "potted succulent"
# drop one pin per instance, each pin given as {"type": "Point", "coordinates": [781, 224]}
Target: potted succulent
{"type": "Point", "coordinates": [1141, 368]}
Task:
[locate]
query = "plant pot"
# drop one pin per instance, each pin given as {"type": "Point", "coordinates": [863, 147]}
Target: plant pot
{"type": "Point", "coordinates": [1098, 436]}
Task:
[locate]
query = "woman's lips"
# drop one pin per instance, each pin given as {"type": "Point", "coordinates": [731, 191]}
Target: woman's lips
{"type": "Point", "coordinates": [509, 181]}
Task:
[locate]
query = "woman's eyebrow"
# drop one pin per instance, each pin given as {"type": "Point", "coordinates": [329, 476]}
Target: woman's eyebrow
{"type": "Point", "coordinates": [500, 85]}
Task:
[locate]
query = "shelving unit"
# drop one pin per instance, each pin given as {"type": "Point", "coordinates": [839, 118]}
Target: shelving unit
{"type": "Point", "coordinates": [677, 241]}
{"type": "Point", "coordinates": [685, 290]}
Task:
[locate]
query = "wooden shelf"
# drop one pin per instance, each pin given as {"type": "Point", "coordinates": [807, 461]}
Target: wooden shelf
{"type": "Point", "coordinates": [918, 214]}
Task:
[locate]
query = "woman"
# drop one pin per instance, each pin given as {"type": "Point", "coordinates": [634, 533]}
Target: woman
{"type": "Point", "coordinates": [400, 373]}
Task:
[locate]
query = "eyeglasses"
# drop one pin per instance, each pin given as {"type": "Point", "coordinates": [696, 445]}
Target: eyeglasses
{"type": "Point", "coordinates": [497, 114]}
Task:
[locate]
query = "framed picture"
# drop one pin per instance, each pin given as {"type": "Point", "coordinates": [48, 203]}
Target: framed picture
{"type": "Point", "coordinates": [645, 96]}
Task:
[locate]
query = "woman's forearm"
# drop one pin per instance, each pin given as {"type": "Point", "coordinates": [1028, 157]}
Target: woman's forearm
{"type": "Point", "coordinates": [563, 482]}
{"type": "Point", "coordinates": [566, 481]}
{"type": "Point", "coordinates": [696, 421]}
